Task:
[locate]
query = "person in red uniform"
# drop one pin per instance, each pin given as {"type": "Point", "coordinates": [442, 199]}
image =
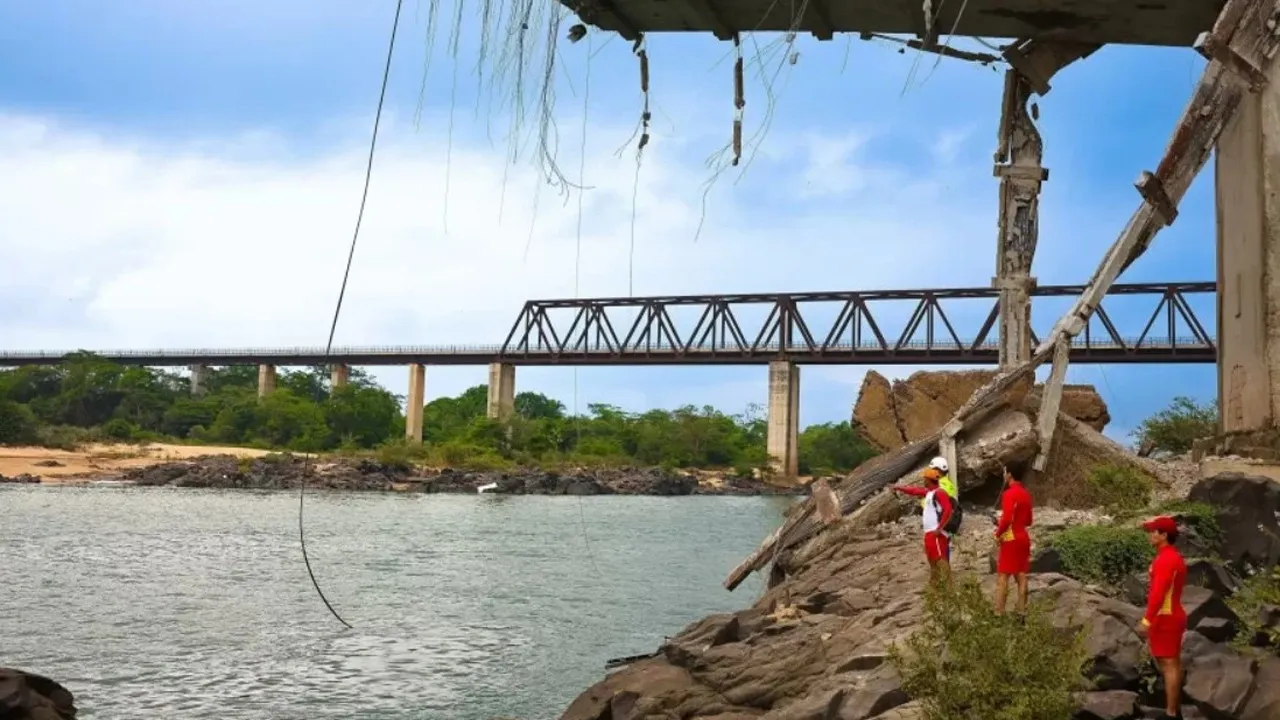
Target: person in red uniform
{"type": "Point", "coordinates": [937, 512]}
{"type": "Point", "coordinates": [1014, 558]}
{"type": "Point", "coordinates": [1165, 620]}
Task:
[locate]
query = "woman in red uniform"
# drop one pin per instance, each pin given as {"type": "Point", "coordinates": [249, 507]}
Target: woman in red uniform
{"type": "Point", "coordinates": [1165, 620]}
{"type": "Point", "coordinates": [1014, 559]}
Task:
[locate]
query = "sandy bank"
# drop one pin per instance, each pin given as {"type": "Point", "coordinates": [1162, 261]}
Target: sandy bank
{"type": "Point", "coordinates": [103, 460]}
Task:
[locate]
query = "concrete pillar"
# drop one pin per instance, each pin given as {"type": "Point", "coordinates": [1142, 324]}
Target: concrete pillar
{"type": "Point", "coordinates": [784, 418]}
{"type": "Point", "coordinates": [417, 398]}
{"type": "Point", "coordinates": [502, 391]}
{"type": "Point", "coordinates": [1247, 178]}
{"type": "Point", "coordinates": [266, 380]}
{"type": "Point", "coordinates": [199, 373]}
{"type": "Point", "coordinates": [339, 376]}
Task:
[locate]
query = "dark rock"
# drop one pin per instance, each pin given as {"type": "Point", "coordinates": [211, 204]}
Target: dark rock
{"type": "Point", "coordinates": [1267, 627]}
{"type": "Point", "coordinates": [1218, 679]}
{"type": "Point", "coordinates": [1248, 507]}
{"type": "Point", "coordinates": [48, 463]}
{"type": "Point", "coordinates": [1208, 614]}
{"type": "Point", "coordinates": [1108, 705]}
{"type": "Point", "coordinates": [1211, 576]}
{"type": "Point", "coordinates": [1264, 703]}
{"type": "Point", "coordinates": [23, 479]}
{"type": "Point", "coordinates": [25, 696]}
{"type": "Point", "coordinates": [1048, 560]}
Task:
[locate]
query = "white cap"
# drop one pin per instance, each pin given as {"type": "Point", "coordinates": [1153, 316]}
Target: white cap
{"type": "Point", "coordinates": [939, 463]}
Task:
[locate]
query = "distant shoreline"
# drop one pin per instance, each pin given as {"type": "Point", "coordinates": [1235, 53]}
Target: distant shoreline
{"type": "Point", "coordinates": [249, 469]}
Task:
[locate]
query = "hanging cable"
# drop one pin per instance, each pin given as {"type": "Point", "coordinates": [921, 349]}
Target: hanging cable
{"type": "Point", "coordinates": [337, 310]}
{"type": "Point", "coordinates": [645, 116]}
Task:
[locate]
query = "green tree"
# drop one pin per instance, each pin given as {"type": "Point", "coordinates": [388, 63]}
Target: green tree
{"type": "Point", "coordinates": [1177, 426]}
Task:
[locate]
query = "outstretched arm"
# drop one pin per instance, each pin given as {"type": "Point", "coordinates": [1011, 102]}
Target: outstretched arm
{"type": "Point", "coordinates": [911, 490]}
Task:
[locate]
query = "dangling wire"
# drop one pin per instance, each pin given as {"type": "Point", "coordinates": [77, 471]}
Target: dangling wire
{"type": "Point", "coordinates": [337, 310]}
{"type": "Point", "coordinates": [739, 99]}
{"type": "Point", "coordinates": [645, 117]}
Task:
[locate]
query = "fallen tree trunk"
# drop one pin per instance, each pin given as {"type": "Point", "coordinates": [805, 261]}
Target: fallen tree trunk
{"type": "Point", "coordinates": [1245, 35]}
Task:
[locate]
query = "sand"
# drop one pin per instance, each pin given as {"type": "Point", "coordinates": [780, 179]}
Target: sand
{"type": "Point", "coordinates": [101, 461]}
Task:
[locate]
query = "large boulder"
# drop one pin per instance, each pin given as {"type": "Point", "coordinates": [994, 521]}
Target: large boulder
{"type": "Point", "coordinates": [1248, 508]}
{"type": "Point", "coordinates": [26, 696]}
{"type": "Point", "coordinates": [890, 415]}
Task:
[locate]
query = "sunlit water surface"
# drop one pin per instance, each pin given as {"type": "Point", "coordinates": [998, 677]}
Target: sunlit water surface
{"type": "Point", "coordinates": [187, 604]}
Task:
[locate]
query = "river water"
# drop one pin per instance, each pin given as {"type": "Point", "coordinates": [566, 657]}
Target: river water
{"type": "Point", "coordinates": [187, 604]}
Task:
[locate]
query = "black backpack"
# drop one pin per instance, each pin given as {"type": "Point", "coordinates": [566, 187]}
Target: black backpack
{"type": "Point", "coordinates": [957, 515]}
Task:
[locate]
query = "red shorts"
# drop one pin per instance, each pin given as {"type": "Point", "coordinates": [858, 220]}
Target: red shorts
{"type": "Point", "coordinates": [1165, 637]}
{"type": "Point", "coordinates": [1014, 557]}
{"type": "Point", "coordinates": [936, 545]}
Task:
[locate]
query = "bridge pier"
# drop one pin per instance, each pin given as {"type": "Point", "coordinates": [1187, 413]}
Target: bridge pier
{"type": "Point", "coordinates": [783, 434]}
{"type": "Point", "coordinates": [339, 376]}
{"type": "Point", "coordinates": [415, 402]}
{"type": "Point", "coordinates": [199, 373]}
{"type": "Point", "coordinates": [1247, 179]}
{"type": "Point", "coordinates": [502, 391]}
{"type": "Point", "coordinates": [266, 380]}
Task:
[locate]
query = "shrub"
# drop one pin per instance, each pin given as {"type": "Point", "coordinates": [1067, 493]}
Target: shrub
{"type": "Point", "coordinates": [1261, 589]}
{"type": "Point", "coordinates": [1177, 426]}
{"type": "Point", "coordinates": [967, 662]}
{"type": "Point", "coordinates": [17, 424]}
{"type": "Point", "coordinates": [1121, 488]}
{"type": "Point", "coordinates": [119, 429]}
{"type": "Point", "coordinates": [1103, 554]}
{"type": "Point", "coordinates": [1200, 517]}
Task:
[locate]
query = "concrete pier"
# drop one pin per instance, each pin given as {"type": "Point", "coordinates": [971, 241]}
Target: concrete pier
{"type": "Point", "coordinates": [417, 398]}
{"type": "Point", "coordinates": [339, 376]}
{"type": "Point", "coordinates": [784, 418]}
{"type": "Point", "coordinates": [266, 380]}
{"type": "Point", "coordinates": [199, 374]}
{"type": "Point", "coordinates": [1247, 178]}
{"type": "Point", "coordinates": [502, 391]}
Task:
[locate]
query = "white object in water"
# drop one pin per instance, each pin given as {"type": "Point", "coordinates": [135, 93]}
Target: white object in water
{"type": "Point", "coordinates": [487, 488]}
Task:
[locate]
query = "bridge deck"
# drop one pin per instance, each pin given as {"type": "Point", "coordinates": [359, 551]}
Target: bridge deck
{"type": "Point", "coordinates": [1134, 22]}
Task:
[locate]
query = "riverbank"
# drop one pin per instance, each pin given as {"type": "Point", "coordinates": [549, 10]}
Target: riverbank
{"type": "Point", "coordinates": [243, 468]}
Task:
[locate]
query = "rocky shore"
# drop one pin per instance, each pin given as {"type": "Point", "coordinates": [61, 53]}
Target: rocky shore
{"type": "Point", "coordinates": [816, 645]}
{"type": "Point", "coordinates": [285, 472]}
{"type": "Point", "coordinates": [27, 696]}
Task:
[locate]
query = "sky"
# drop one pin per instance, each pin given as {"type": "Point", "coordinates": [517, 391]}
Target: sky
{"type": "Point", "coordinates": [188, 175]}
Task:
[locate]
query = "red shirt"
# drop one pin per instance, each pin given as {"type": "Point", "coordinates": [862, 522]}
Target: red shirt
{"type": "Point", "coordinates": [1015, 513]}
{"type": "Point", "coordinates": [1168, 575]}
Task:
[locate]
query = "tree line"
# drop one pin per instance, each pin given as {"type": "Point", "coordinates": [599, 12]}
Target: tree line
{"type": "Point", "coordinates": [87, 398]}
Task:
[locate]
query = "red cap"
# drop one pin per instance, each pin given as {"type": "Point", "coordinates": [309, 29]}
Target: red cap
{"type": "Point", "coordinates": [1164, 524]}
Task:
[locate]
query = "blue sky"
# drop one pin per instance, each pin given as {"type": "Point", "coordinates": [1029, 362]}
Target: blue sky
{"type": "Point", "coordinates": [187, 175]}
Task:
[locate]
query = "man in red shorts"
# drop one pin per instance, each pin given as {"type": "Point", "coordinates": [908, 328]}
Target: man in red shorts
{"type": "Point", "coordinates": [1014, 558]}
{"type": "Point", "coordinates": [1165, 620]}
{"type": "Point", "coordinates": [937, 512]}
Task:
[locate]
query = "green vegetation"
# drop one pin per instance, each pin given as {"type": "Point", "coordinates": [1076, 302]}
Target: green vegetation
{"type": "Point", "coordinates": [1177, 426]}
{"type": "Point", "coordinates": [1121, 488]}
{"type": "Point", "coordinates": [1103, 554]}
{"type": "Point", "coordinates": [1255, 592]}
{"type": "Point", "coordinates": [993, 667]}
{"type": "Point", "coordinates": [1197, 516]}
{"type": "Point", "coordinates": [89, 399]}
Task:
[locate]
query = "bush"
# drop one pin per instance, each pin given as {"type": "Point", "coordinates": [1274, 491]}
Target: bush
{"type": "Point", "coordinates": [1121, 488]}
{"type": "Point", "coordinates": [1200, 517]}
{"type": "Point", "coordinates": [119, 429]}
{"type": "Point", "coordinates": [17, 424]}
{"type": "Point", "coordinates": [967, 662]}
{"type": "Point", "coordinates": [1177, 426]}
{"type": "Point", "coordinates": [1103, 554]}
{"type": "Point", "coordinates": [1261, 589]}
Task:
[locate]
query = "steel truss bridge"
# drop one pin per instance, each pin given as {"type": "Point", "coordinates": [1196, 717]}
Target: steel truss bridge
{"type": "Point", "coordinates": [660, 331]}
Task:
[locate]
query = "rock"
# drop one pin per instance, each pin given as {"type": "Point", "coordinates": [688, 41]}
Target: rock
{"type": "Point", "coordinates": [1047, 560]}
{"type": "Point", "coordinates": [1108, 705]}
{"type": "Point", "coordinates": [1218, 679]}
{"type": "Point", "coordinates": [1211, 576]}
{"type": "Point", "coordinates": [1248, 508]}
{"type": "Point", "coordinates": [1264, 703]}
{"type": "Point", "coordinates": [889, 415]}
{"type": "Point", "coordinates": [26, 696]}
{"type": "Point", "coordinates": [23, 479]}
{"type": "Point", "coordinates": [1268, 626]}
{"type": "Point", "coordinates": [1208, 615]}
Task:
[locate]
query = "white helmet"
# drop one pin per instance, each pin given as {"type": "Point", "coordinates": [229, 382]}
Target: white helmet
{"type": "Point", "coordinates": [939, 464]}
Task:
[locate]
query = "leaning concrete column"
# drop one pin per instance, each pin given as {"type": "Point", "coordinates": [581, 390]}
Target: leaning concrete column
{"type": "Point", "coordinates": [339, 376]}
{"type": "Point", "coordinates": [417, 398]}
{"type": "Point", "coordinates": [502, 391]}
{"type": "Point", "coordinates": [1247, 177]}
{"type": "Point", "coordinates": [199, 373]}
{"type": "Point", "coordinates": [784, 418]}
{"type": "Point", "coordinates": [266, 380]}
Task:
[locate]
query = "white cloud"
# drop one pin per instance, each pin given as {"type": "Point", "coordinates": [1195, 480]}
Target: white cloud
{"type": "Point", "coordinates": [135, 242]}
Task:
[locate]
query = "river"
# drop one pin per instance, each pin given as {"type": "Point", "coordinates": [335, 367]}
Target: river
{"type": "Point", "coordinates": [187, 604]}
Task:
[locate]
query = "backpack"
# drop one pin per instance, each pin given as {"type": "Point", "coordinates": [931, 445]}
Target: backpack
{"type": "Point", "coordinates": [957, 515]}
